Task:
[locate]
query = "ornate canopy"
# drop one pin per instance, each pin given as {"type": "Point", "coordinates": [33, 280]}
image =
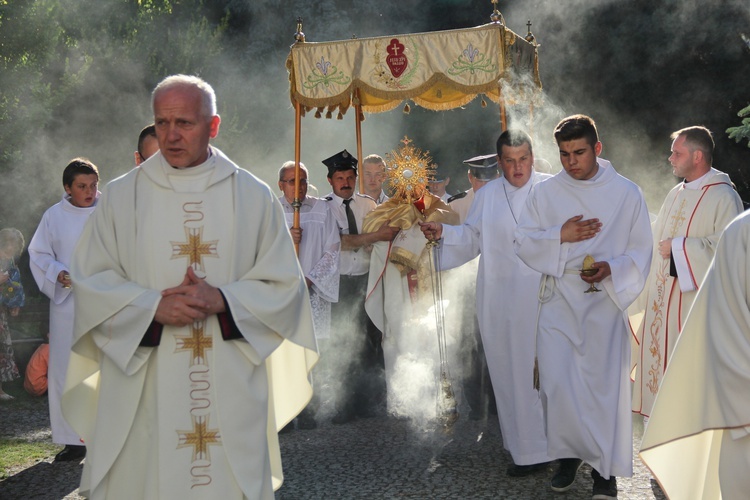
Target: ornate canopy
{"type": "Point", "coordinates": [438, 70]}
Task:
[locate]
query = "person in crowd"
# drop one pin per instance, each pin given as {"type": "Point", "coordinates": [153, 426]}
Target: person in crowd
{"type": "Point", "coordinates": [686, 231]}
{"type": "Point", "coordinates": [697, 441]}
{"type": "Point", "coordinates": [353, 334]}
{"type": "Point", "coordinates": [401, 292]}
{"type": "Point", "coordinates": [186, 359]}
{"type": "Point", "coordinates": [438, 184]}
{"type": "Point", "coordinates": [373, 172]}
{"type": "Point", "coordinates": [506, 296]}
{"type": "Point", "coordinates": [585, 217]}
{"type": "Point", "coordinates": [148, 145]}
{"type": "Point", "coordinates": [11, 300]}
{"type": "Point", "coordinates": [477, 388]}
{"type": "Point", "coordinates": [482, 169]}
{"type": "Point", "coordinates": [319, 246]}
{"type": "Point", "coordinates": [50, 253]}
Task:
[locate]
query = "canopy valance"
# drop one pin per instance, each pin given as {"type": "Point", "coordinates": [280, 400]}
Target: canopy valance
{"type": "Point", "coordinates": [438, 70]}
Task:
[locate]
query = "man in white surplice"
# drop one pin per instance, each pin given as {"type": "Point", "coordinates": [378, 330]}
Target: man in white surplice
{"type": "Point", "coordinates": [506, 297]}
{"type": "Point", "coordinates": [686, 231]}
{"type": "Point", "coordinates": [194, 335]}
{"type": "Point", "coordinates": [319, 246]}
{"type": "Point", "coordinates": [583, 348]}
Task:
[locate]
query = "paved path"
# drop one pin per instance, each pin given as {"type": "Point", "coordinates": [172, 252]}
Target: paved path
{"type": "Point", "coordinates": [379, 458]}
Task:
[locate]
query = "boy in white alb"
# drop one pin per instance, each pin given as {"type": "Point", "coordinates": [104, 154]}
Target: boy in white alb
{"type": "Point", "coordinates": [50, 252]}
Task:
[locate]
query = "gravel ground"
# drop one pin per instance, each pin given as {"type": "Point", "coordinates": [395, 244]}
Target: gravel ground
{"type": "Point", "coordinates": [378, 458]}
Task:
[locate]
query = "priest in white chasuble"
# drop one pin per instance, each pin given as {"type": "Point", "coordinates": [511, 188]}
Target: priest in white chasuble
{"type": "Point", "coordinates": [697, 442]}
{"type": "Point", "coordinates": [686, 231]}
{"type": "Point", "coordinates": [400, 286]}
{"type": "Point", "coordinates": [193, 332]}
{"type": "Point", "coordinates": [588, 212]}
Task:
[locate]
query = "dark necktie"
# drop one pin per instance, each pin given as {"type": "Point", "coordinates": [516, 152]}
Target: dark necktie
{"type": "Point", "coordinates": [350, 218]}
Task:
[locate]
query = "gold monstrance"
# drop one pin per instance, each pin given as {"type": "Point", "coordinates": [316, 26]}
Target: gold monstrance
{"type": "Point", "coordinates": [409, 171]}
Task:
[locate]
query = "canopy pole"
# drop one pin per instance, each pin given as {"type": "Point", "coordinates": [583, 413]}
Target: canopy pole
{"type": "Point", "coordinates": [297, 147]}
{"type": "Point", "coordinates": [503, 116]}
{"type": "Point", "coordinates": [358, 128]}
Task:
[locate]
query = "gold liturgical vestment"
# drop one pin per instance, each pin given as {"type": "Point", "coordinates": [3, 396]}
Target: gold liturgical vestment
{"type": "Point", "coordinates": [399, 296]}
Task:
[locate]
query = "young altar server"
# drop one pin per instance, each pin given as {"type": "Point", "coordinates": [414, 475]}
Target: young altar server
{"type": "Point", "coordinates": [587, 212]}
{"type": "Point", "coordinates": [506, 297]}
{"type": "Point", "coordinates": [50, 253]}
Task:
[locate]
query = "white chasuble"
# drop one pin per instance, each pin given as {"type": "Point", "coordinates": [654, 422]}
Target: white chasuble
{"type": "Point", "coordinates": [697, 441]}
{"type": "Point", "coordinates": [582, 340]}
{"type": "Point", "coordinates": [196, 416]}
{"type": "Point", "coordinates": [50, 252]}
{"type": "Point", "coordinates": [694, 216]}
{"type": "Point", "coordinates": [506, 294]}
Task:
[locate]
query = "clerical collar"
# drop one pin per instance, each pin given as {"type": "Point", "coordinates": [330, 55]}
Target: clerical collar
{"type": "Point", "coordinates": [697, 183]}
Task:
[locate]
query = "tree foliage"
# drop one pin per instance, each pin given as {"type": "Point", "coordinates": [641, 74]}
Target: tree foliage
{"type": "Point", "coordinates": [742, 131]}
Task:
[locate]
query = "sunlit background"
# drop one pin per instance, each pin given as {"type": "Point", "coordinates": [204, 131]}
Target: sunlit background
{"type": "Point", "coordinates": [77, 74]}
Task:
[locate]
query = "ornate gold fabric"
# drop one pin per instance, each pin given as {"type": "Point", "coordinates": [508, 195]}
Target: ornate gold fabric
{"type": "Point", "coordinates": [439, 70]}
{"type": "Point", "coordinates": [405, 217]}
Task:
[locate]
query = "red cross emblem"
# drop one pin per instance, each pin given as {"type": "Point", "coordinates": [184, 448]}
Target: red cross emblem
{"type": "Point", "coordinates": [396, 59]}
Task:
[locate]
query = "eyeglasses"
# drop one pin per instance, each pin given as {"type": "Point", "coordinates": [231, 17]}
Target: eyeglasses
{"type": "Point", "coordinates": [291, 181]}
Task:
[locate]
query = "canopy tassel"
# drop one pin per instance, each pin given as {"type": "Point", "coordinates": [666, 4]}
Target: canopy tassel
{"type": "Point", "coordinates": [407, 109]}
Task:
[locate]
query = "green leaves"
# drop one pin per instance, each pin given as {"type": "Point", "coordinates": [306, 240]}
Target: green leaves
{"type": "Point", "coordinates": [742, 131]}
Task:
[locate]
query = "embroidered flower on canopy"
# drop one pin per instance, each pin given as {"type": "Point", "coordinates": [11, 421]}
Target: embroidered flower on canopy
{"type": "Point", "coordinates": [471, 60]}
{"type": "Point", "coordinates": [326, 74]}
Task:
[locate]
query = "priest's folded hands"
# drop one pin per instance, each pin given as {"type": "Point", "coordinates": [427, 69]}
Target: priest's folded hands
{"type": "Point", "coordinates": [192, 300]}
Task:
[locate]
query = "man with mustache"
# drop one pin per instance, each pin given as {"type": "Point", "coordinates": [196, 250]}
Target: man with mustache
{"type": "Point", "coordinates": [352, 334]}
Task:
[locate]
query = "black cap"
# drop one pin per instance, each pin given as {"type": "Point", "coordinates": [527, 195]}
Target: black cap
{"type": "Point", "coordinates": [342, 160]}
{"type": "Point", "coordinates": [438, 174]}
{"type": "Point", "coordinates": [483, 167]}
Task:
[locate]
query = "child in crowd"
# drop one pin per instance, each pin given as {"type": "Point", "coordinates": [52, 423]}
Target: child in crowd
{"type": "Point", "coordinates": [11, 301]}
{"type": "Point", "coordinates": [50, 252]}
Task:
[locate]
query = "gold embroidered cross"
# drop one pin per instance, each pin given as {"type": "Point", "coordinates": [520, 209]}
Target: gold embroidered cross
{"type": "Point", "coordinates": [196, 342]}
{"type": "Point", "coordinates": [194, 248]}
{"type": "Point", "coordinates": [200, 437]}
{"type": "Point", "coordinates": [677, 219]}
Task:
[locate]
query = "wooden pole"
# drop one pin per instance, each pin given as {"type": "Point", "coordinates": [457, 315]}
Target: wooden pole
{"type": "Point", "coordinates": [503, 116]}
{"type": "Point", "coordinates": [297, 146]}
{"type": "Point", "coordinates": [358, 128]}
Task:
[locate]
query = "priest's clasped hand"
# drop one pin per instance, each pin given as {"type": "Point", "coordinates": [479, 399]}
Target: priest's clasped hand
{"type": "Point", "coordinates": [190, 301]}
{"type": "Point", "coordinates": [576, 229]}
{"type": "Point", "coordinates": [433, 231]}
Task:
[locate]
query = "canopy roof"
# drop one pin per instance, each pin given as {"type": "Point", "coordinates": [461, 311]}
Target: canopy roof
{"type": "Point", "coordinates": [438, 70]}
